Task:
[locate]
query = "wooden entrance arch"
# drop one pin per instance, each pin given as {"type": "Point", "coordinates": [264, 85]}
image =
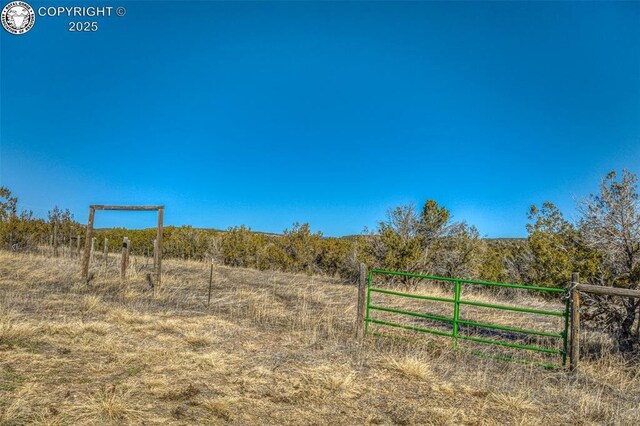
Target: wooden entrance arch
{"type": "Point", "coordinates": [87, 243]}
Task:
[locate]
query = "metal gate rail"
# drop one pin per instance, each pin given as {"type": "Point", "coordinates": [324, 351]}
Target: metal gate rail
{"type": "Point", "coordinates": [455, 319]}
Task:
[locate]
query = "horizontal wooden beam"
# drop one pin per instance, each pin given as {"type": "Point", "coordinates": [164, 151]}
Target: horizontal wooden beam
{"type": "Point", "coordinates": [135, 208]}
{"type": "Point", "coordinates": [608, 291]}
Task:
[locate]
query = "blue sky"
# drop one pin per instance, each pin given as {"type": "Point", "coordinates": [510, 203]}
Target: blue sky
{"type": "Point", "coordinates": [329, 113]}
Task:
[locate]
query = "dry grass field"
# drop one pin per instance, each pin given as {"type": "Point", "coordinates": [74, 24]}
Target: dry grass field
{"type": "Point", "coordinates": [272, 348]}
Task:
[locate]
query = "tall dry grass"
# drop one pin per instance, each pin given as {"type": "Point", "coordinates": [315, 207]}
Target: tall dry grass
{"type": "Point", "coordinates": [272, 348]}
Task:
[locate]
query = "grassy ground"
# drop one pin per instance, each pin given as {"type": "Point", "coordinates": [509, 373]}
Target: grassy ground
{"type": "Point", "coordinates": [272, 348]}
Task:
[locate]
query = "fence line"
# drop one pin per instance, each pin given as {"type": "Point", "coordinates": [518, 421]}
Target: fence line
{"type": "Point", "coordinates": [576, 289]}
{"type": "Point", "coordinates": [570, 335]}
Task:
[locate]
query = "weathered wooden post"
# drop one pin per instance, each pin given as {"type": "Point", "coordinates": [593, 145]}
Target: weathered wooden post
{"type": "Point", "coordinates": [574, 347]}
{"type": "Point", "coordinates": [124, 261]}
{"type": "Point", "coordinates": [70, 246]}
{"type": "Point", "coordinates": [210, 284]}
{"type": "Point", "coordinates": [159, 247]}
{"type": "Point", "coordinates": [362, 301]}
{"type": "Point", "coordinates": [85, 260]}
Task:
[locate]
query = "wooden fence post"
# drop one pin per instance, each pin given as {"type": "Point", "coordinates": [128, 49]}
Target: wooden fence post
{"type": "Point", "coordinates": [574, 347]}
{"type": "Point", "coordinates": [85, 260]}
{"type": "Point", "coordinates": [362, 301]}
{"type": "Point", "coordinates": [93, 248]}
{"type": "Point", "coordinates": [155, 253]}
{"type": "Point", "coordinates": [124, 261]}
{"type": "Point", "coordinates": [210, 283]}
{"type": "Point", "coordinates": [159, 246]}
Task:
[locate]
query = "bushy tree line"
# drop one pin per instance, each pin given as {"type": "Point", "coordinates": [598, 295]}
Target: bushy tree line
{"type": "Point", "coordinates": [20, 230]}
{"type": "Point", "coordinates": [297, 250]}
{"type": "Point", "coordinates": [603, 245]}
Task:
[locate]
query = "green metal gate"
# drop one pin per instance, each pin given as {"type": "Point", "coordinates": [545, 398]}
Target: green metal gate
{"type": "Point", "coordinates": [456, 321]}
